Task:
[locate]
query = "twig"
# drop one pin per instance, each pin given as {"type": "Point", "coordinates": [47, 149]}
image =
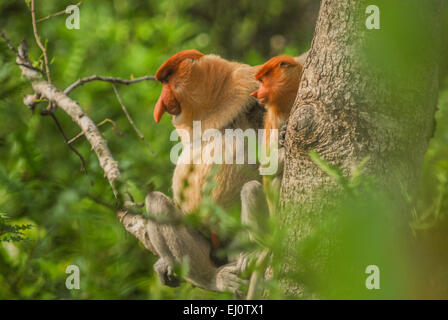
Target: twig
{"type": "Point", "coordinates": [56, 14]}
{"type": "Point", "coordinates": [47, 91]}
{"type": "Point", "coordinates": [134, 223]}
{"type": "Point", "coordinates": [31, 67]}
{"type": "Point", "coordinates": [114, 125]}
{"type": "Point", "coordinates": [14, 50]}
{"type": "Point", "coordinates": [61, 130]}
{"type": "Point", "coordinates": [8, 43]}
{"type": "Point", "coordinates": [117, 130]}
{"type": "Point", "coordinates": [36, 36]}
{"type": "Point", "coordinates": [95, 77]}
{"type": "Point", "coordinates": [140, 135]}
{"type": "Point", "coordinates": [75, 137]}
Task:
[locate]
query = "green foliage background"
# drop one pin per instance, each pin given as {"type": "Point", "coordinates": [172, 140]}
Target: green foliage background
{"type": "Point", "coordinates": [70, 213]}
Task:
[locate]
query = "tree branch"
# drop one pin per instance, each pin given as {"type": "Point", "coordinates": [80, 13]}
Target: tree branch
{"type": "Point", "coordinates": [14, 50]}
{"type": "Point", "coordinates": [61, 130]}
{"type": "Point", "coordinates": [8, 43]}
{"type": "Point", "coordinates": [56, 14]}
{"type": "Point", "coordinates": [95, 77]}
{"type": "Point", "coordinates": [114, 126]}
{"type": "Point", "coordinates": [41, 46]}
{"type": "Point", "coordinates": [46, 90]}
{"type": "Point", "coordinates": [140, 135]}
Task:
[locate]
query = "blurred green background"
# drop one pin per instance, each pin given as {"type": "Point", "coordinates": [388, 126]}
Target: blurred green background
{"type": "Point", "coordinates": [71, 215]}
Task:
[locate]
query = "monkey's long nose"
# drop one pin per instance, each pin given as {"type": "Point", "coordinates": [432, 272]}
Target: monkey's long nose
{"type": "Point", "coordinates": [159, 110]}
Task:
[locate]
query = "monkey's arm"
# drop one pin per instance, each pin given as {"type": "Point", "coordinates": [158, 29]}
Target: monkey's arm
{"type": "Point", "coordinates": [254, 209]}
{"type": "Point", "coordinates": [255, 214]}
{"type": "Point", "coordinates": [272, 183]}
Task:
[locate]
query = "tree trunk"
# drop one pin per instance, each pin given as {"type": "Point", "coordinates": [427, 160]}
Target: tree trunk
{"type": "Point", "coordinates": [363, 93]}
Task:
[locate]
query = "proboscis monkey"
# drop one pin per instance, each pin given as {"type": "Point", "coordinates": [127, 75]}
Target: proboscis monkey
{"type": "Point", "coordinates": [279, 80]}
{"type": "Point", "coordinates": [216, 92]}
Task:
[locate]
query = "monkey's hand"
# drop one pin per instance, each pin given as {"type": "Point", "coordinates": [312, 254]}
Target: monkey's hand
{"type": "Point", "coordinates": [166, 273]}
{"type": "Point", "coordinates": [227, 278]}
{"type": "Point", "coordinates": [246, 260]}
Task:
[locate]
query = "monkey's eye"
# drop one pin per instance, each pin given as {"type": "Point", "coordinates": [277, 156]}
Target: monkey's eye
{"type": "Point", "coordinates": [167, 76]}
{"type": "Point", "coordinates": [284, 64]}
{"type": "Point", "coordinates": [166, 79]}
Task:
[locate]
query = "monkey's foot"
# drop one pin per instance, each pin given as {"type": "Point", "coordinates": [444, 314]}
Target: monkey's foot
{"type": "Point", "coordinates": [166, 273]}
{"type": "Point", "coordinates": [228, 279]}
{"type": "Point", "coordinates": [246, 260]}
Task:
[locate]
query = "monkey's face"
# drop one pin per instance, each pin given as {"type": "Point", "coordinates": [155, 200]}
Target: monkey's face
{"type": "Point", "coordinates": [167, 103]}
{"type": "Point", "coordinates": [262, 93]}
{"type": "Point", "coordinates": [198, 87]}
{"type": "Point", "coordinates": [174, 75]}
{"type": "Point", "coordinates": [279, 79]}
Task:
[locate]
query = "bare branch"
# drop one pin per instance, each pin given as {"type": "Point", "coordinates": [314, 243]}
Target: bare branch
{"type": "Point", "coordinates": [79, 135]}
{"type": "Point", "coordinates": [14, 50]}
{"type": "Point", "coordinates": [117, 130]}
{"type": "Point", "coordinates": [129, 213]}
{"type": "Point", "coordinates": [31, 67]}
{"type": "Point", "coordinates": [140, 135]}
{"type": "Point", "coordinates": [36, 36]}
{"type": "Point", "coordinates": [56, 14]}
{"type": "Point", "coordinates": [8, 43]}
{"type": "Point", "coordinates": [61, 130]}
{"type": "Point", "coordinates": [95, 77]}
{"type": "Point", "coordinates": [99, 145]}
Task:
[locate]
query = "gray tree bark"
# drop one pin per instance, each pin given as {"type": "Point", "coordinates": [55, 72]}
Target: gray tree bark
{"type": "Point", "coordinates": [363, 93]}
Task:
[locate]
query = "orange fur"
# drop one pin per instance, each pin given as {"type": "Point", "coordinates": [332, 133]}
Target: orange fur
{"type": "Point", "coordinates": [172, 64]}
{"type": "Point", "coordinates": [203, 87]}
{"type": "Point", "coordinates": [216, 92]}
{"type": "Point", "coordinates": [279, 81]}
{"type": "Point", "coordinates": [271, 66]}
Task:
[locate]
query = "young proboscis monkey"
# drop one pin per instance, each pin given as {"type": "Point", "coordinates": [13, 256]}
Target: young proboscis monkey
{"type": "Point", "coordinates": [216, 92]}
{"type": "Point", "coordinates": [279, 80]}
